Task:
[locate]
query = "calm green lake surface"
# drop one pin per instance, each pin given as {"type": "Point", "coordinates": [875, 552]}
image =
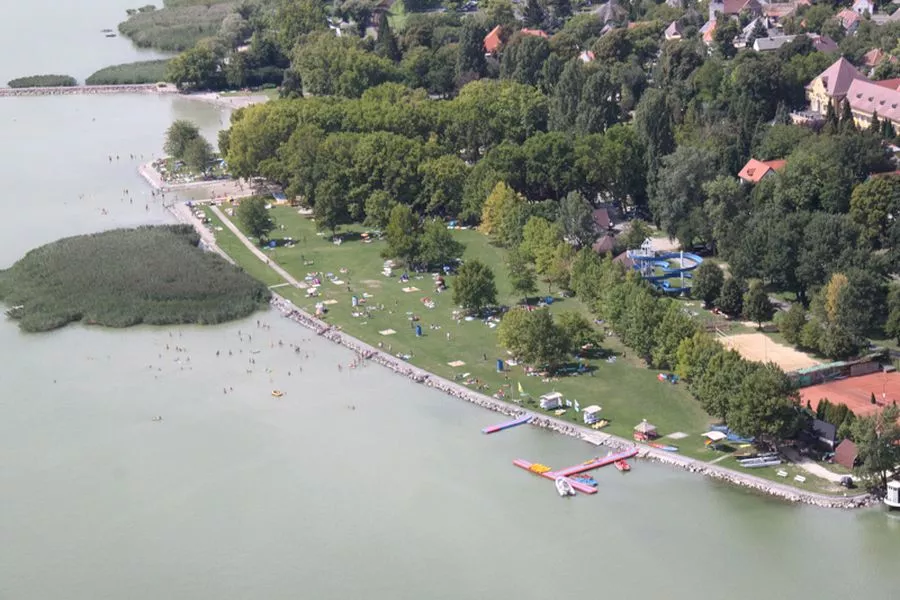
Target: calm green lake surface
{"type": "Point", "coordinates": [355, 484]}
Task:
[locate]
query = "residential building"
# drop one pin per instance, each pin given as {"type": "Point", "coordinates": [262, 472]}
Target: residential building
{"type": "Point", "coordinates": [586, 56]}
{"type": "Point", "coordinates": [822, 43]}
{"type": "Point", "coordinates": [493, 40]}
{"type": "Point", "coordinates": [674, 31]}
{"type": "Point", "coordinates": [849, 20]}
{"type": "Point", "coordinates": [708, 31]}
{"type": "Point", "coordinates": [843, 81]}
{"type": "Point", "coordinates": [846, 454]}
{"type": "Point", "coordinates": [732, 8]}
{"type": "Point", "coordinates": [861, 7]}
{"type": "Point", "coordinates": [756, 170]}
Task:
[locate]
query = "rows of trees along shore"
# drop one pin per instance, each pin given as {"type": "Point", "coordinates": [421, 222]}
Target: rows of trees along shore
{"type": "Point", "coordinates": [416, 123]}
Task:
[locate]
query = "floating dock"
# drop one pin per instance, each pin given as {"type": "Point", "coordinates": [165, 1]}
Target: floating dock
{"type": "Point", "coordinates": [507, 425]}
{"type": "Point", "coordinates": [574, 470]}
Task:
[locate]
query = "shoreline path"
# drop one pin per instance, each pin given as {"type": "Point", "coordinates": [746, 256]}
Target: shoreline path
{"type": "Point", "coordinates": [368, 352]}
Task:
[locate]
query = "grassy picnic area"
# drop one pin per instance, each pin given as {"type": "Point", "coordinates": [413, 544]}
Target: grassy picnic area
{"type": "Point", "coordinates": [623, 386]}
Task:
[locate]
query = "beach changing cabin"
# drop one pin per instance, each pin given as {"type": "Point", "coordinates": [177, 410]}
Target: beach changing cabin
{"type": "Point", "coordinates": [892, 498]}
{"type": "Point", "coordinates": [591, 414]}
{"type": "Point", "coordinates": [644, 431]}
{"type": "Point", "coordinates": [551, 401]}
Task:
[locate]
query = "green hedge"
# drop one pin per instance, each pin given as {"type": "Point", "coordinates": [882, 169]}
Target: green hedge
{"type": "Point", "coordinates": [147, 71]}
{"type": "Point", "coordinates": [43, 81]}
{"type": "Point", "coordinates": [124, 277]}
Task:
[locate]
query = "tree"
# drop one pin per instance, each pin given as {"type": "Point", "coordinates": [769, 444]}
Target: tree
{"type": "Point", "coordinates": [694, 354]}
{"type": "Point", "coordinates": [674, 327]}
{"type": "Point", "coordinates": [847, 123]}
{"type": "Point", "coordinates": [707, 282]}
{"type": "Point", "coordinates": [386, 43]}
{"type": "Point", "coordinates": [533, 337]}
{"type": "Point", "coordinates": [521, 274]}
{"type": "Point", "coordinates": [558, 269]}
{"type": "Point", "coordinates": [792, 322]}
{"type": "Point", "coordinates": [634, 236]}
{"type": "Point", "coordinates": [757, 306]}
{"type": "Point", "coordinates": [470, 62]}
{"type": "Point", "coordinates": [378, 209]}
{"type": "Point", "coordinates": [719, 380]}
{"type": "Point", "coordinates": [677, 201]}
{"type": "Point", "coordinates": [252, 214]}
{"type": "Point", "coordinates": [765, 406]}
{"type": "Point", "coordinates": [501, 198]}
{"type": "Point", "coordinates": [873, 205]}
{"type": "Point", "coordinates": [731, 300]}
{"type": "Point", "coordinates": [474, 287]}
{"type": "Point", "coordinates": [330, 209]}
{"type": "Point", "coordinates": [877, 437]}
{"type": "Point", "coordinates": [402, 234]}
{"type": "Point", "coordinates": [438, 246]}
{"type": "Point", "coordinates": [577, 219]}
{"type": "Point", "coordinates": [296, 18]}
{"type": "Point", "coordinates": [578, 330]}
{"type": "Point", "coordinates": [523, 58]}
{"type": "Point", "coordinates": [443, 179]}
{"type": "Point", "coordinates": [197, 154]}
{"type": "Point", "coordinates": [196, 68]}
{"type": "Point", "coordinates": [534, 14]}
{"type": "Point", "coordinates": [892, 326]}
{"type": "Point", "coordinates": [178, 136]}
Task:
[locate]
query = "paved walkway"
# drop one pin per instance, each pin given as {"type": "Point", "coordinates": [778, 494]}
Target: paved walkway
{"type": "Point", "coordinates": [809, 466]}
{"type": "Point", "coordinates": [255, 250]}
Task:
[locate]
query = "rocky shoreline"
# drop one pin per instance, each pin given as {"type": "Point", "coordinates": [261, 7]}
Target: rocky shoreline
{"type": "Point", "coordinates": [366, 352]}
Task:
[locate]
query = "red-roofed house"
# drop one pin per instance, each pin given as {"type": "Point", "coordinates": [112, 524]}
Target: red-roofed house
{"type": "Point", "coordinates": [535, 32]}
{"type": "Point", "coordinates": [842, 81]}
{"type": "Point", "coordinates": [755, 170]}
{"type": "Point", "coordinates": [735, 7]}
{"type": "Point", "coordinates": [849, 20]}
{"type": "Point", "coordinates": [831, 85]}
{"type": "Point", "coordinates": [709, 32]}
{"type": "Point", "coordinates": [492, 41]}
{"type": "Point", "coordinates": [586, 56]}
{"type": "Point", "coordinates": [891, 84]}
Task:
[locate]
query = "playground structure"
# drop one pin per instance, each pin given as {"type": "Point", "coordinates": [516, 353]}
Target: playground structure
{"type": "Point", "coordinates": [659, 268]}
{"type": "Point", "coordinates": [547, 473]}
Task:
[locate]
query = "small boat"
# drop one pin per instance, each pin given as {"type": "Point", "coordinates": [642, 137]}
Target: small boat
{"type": "Point", "coordinates": [564, 487]}
{"type": "Point", "coordinates": [277, 393]}
{"type": "Point", "coordinates": [664, 447]}
{"type": "Point", "coordinates": [622, 465]}
{"type": "Point", "coordinates": [600, 424]}
{"type": "Point", "coordinates": [586, 480]}
{"type": "Point", "coordinates": [110, 35]}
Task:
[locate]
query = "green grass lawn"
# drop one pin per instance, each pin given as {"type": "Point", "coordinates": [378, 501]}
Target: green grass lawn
{"type": "Point", "coordinates": [232, 246]}
{"type": "Point", "coordinates": [627, 391]}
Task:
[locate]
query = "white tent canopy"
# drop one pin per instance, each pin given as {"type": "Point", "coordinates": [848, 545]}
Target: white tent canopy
{"type": "Point", "coordinates": [715, 436]}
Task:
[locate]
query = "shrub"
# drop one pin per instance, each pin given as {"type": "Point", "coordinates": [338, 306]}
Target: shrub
{"type": "Point", "coordinates": [124, 277]}
{"type": "Point", "coordinates": [43, 81]}
{"type": "Point", "coordinates": [174, 29]}
{"type": "Point", "coordinates": [145, 71]}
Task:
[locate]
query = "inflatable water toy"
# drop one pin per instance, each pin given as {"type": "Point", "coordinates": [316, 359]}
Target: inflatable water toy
{"type": "Point", "coordinates": [277, 393]}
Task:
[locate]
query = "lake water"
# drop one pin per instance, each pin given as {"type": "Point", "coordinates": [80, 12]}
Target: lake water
{"type": "Point", "coordinates": [355, 483]}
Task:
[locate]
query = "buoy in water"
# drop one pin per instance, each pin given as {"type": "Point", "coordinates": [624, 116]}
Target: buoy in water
{"type": "Point", "coordinates": [277, 393]}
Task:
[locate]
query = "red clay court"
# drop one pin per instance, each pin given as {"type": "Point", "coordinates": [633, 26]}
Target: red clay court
{"type": "Point", "coordinates": [856, 392]}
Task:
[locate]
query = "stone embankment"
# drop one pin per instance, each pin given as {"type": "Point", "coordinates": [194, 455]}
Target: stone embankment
{"type": "Point", "coordinates": [401, 367]}
{"type": "Point", "coordinates": [148, 88]}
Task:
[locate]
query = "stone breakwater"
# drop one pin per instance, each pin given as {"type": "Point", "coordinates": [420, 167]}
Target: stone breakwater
{"type": "Point", "coordinates": [401, 367]}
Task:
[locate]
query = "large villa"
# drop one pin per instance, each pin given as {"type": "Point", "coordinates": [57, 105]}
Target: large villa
{"type": "Point", "coordinates": [843, 81]}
